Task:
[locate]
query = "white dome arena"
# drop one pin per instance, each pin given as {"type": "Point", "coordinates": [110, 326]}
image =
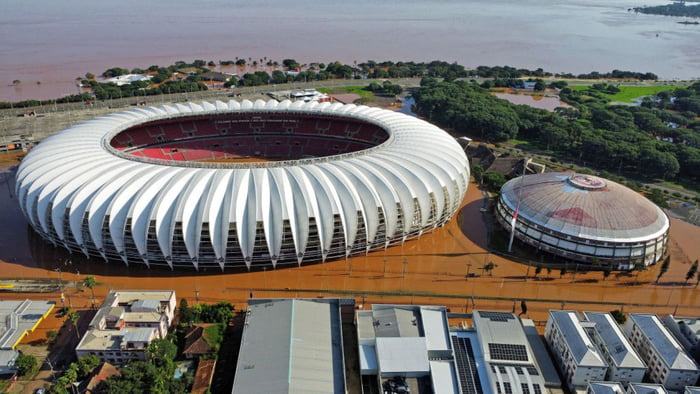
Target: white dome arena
{"type": "Point", "coordinates": [241, 184]}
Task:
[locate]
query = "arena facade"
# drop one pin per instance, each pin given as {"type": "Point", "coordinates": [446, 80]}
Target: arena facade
{"type": "Point", "coordinates": [584, 218]}
{"type": "Point", "coordinates": [241, 184]}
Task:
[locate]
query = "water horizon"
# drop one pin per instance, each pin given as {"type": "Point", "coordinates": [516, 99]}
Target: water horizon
{"type": "Point", "coordinates": [46, 45]}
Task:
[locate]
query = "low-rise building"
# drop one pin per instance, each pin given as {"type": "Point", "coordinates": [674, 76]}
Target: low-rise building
{"type": "Point", "coordinates": [17, 320]}
{"type": "Point", "coordinates": [510, 361]}
{"type": "Point", "coordinates": [126, 324]}
{"type": "Point", "coordinates": [692, 390]}
{"type": "Point", "coordinates": [605, 388]}
{"type": "Point", "coordinates": [624, 364]}
{"type": "Point", "coordinates": [687, 333]}
{"type": "Point", "coordinates": [292, 346]}
{"type": "Point", "coordinates": [668, 363]}
{"type": "Point", "coordinates": [578, 359]}
{"type": "Point", "coordinates": [404, 347]}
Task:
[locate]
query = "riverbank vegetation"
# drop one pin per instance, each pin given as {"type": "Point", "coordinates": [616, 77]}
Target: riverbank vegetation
{"type": "Point", "coordinates": [184, 77]}
{"type": "Point", "coordinates": [674, 9]}
{"type": "Point", "coordinates": [658, 140]}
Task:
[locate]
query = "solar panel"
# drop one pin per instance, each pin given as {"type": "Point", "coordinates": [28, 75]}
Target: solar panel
{"type": "Point", "coordinates": [496, 316]}
{"type": "Point", "coordinates": [507, 351]}
{"type": "Point", "coordinates": [466, 366]}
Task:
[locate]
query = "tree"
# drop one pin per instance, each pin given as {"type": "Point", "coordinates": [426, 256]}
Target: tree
{"type": "Point", "coordinates": [161, 351]}
{"type": "Point", "coordinates": [488, 267]}
{"type": "Point", "coordinates": [478, 173]}
{"type": "Point", "coordinates": [25, 363]}
{"type": "Point", "coordinates": [639, 267]}
{"type": "Point", "coordinates": [664, 268]}
{"type": "Point", "coordinates": [562, 271]}
{"type": "Point", "coordinates": [691, 272]}
{"type": "Point", "coordinates": [74, 317]}
{"type": "Point", "coordinates": [606, 272]}
{"type": "Point", "coordinates": [549, 271]}
{"type": "Point", "coordinates": [89, 76]}
{"type": "Point", "coordinates": [538, 269]}
{"type": "Point", "coordinates": [90, 283]}
{"type": "Point", "coordinates": [619, 316]}
{"type": "Point", "coordinates": [697, 282]}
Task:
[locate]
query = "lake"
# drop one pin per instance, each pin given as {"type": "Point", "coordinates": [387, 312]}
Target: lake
{"type": "Point", "coordinates": [47, 44]}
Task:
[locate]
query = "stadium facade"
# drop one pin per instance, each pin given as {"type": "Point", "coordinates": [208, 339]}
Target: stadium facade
{"type": "Point", "coordinates": [241, 184]}
{"type": "Point", "coordinates": [584, 218]}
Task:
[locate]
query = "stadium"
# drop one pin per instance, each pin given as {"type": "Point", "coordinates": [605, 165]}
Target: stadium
{"type": "Point", "coordinates": [241, 184]}
{"type": "Point", "coordinates": [584, 218]}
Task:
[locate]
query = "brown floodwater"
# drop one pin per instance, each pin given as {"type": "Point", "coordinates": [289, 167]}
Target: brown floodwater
{"type": "Point", "coordinates": [429, 270]}
{"type": "Point", "coordinates": [537, 101]}
{"type": "Point", "coordinates": [46, 44]}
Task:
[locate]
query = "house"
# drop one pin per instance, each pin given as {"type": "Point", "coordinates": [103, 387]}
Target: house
{"type": "Point", "coordinates": [197, 342]}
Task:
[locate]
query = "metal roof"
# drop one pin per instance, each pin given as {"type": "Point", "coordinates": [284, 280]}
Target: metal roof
{"type": "Point", "coordinates": [605, 388]}
{"type": "Point", "coordinates": [76, 171]}
{"type": "Point", "coordinates": [291, 346]}
{"type": "Point", "coordinates": [585, 206]}
{"type": "Point", "coordinates": [661, 339]}
{"type": "Point", "coordinates": [18, 317]}
{"type": "Point", "coordinates": [618, 346]}
{"type": "Point", "coordinates": [646, 388]}
{"type": "Point", "coordinates": [580, 345]}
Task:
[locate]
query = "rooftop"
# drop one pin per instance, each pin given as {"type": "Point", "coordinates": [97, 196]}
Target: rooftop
{"type": "Point", "coordinates": [646, 388]}
{"type": "Point", "coordinates": [618, 346]}
{"type": "Point", "coordinates": [291, 346]}
{"type": "Point", "coordinates": [585, 206]}
{"type": "Point", "coordinates": [101, 340]}
{"type": "Point", "coordinates": [605, 388]}
{"type": "Point", "coordinates": [18, 317]}
{"type": "Point", "coordinates": [580, 345]}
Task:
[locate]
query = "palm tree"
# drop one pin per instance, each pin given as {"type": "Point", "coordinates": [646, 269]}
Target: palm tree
{"type": "Point", "coordinates": [74, 317]}
{"type": "Point", "coordinates": [90, 283]}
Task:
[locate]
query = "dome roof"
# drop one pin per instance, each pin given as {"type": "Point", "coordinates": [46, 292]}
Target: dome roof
{"type": "Point", "coordinates": [584, 206]}
{"type": "Point", "coordinates": [75, 186]}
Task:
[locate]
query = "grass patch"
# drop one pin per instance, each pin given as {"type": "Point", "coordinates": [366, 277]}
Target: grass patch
{"type": "Point", "coordinates": [366, 95]}
{"type": "Point", "coordinates": [215, 334]}
{"type": "Point", "coordinates": [628, 94]}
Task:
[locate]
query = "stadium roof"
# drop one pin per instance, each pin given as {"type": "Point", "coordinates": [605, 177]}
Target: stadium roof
{"type": "Point", "coordinates": [661, 339]}
{"type": "Point", "coordinates": [291, 346]}
{"type": "Point", "coordinates": [76, 176]}
{"type": "Point", "coordinates": [618, 346]}
{"type": "Point", "coordinates": [585, 206]}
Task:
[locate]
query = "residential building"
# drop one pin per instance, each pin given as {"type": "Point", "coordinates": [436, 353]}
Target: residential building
{"type": "Point", "coordinates": [668, 363]}
{"type": "Point", "coordinates": [624, 364]}
{"type": "Point", "coordinates": [687, 333]}
{"type": "Point", "coordinates": [126, 324]}
{"type": "Point", "coordinates": [578, 359]}
{"type": "Point", "coordinates": [605, 388]}
{"type": "Point", "coordinates": [292, 346]}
